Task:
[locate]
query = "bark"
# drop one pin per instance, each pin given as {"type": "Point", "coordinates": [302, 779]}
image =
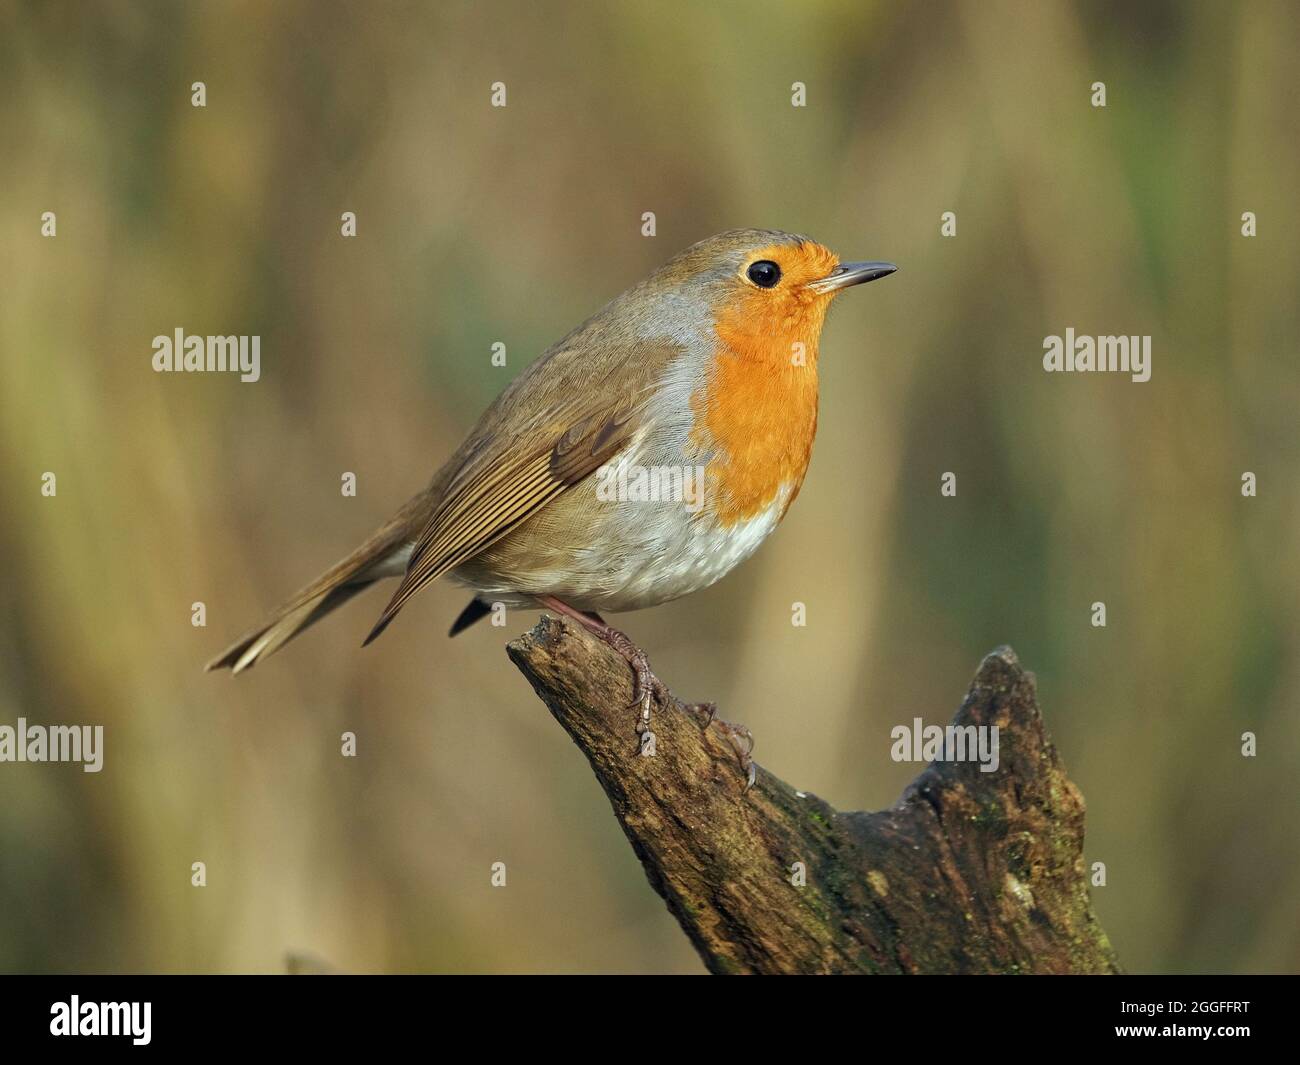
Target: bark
{"type": "Point", "coordinates": [970, 872]}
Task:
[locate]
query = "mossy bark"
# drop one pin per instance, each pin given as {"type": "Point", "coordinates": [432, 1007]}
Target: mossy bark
{"type": "Point", "coordinates": [970, 872]}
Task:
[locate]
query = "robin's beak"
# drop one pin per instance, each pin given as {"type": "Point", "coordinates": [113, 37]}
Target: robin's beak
{"type": "Point", "coordinates": [847, 274]}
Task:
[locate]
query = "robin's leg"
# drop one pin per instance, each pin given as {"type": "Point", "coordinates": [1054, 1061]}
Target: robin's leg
{"type": "Point", "coordinates": [646, 687]}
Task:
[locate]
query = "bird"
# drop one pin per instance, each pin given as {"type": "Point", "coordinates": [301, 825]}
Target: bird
{"type": "Point", "coordinates": [639, 459]}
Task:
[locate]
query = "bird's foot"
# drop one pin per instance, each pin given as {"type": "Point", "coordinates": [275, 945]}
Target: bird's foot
{"type": "Point", "coordinates": [742, 742]}
{"type": "Point", "coordinates": [647, 689]}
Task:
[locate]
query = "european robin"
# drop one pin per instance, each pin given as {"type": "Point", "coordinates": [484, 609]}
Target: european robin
{"type": "Point", "coordinates": [639, 459]}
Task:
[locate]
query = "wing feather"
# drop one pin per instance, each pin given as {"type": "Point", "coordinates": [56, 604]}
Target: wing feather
{"type": "Point", "coordinates": [489, 506]}
{"type": "Point", "coordinates": [574, 425]}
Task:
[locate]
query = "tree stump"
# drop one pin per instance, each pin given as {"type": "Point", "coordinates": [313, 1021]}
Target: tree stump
{"type": "Point", "coordinates": [970, 872]}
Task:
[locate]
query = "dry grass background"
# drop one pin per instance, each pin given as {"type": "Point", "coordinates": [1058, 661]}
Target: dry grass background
{"type": "Point", "coordinates": [477, 225]}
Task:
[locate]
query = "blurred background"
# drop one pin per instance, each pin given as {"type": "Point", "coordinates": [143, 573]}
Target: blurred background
{"type": "Point", "coordinates": [478, 225]}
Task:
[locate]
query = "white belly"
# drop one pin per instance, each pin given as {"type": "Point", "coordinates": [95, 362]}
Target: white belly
{"type": "Point", "coordinates": [636, 555]}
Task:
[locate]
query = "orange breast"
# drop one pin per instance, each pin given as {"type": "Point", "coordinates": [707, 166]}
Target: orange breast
{"type": "Point", "coordinates": [759, 408]}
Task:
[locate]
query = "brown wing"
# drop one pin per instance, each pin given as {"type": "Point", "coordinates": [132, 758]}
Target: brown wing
{"type": "Point", "coordinates": [486, 502]}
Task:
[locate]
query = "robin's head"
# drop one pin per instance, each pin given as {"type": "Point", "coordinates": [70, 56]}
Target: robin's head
{"type": "Point", "coordinates": [765, 287]}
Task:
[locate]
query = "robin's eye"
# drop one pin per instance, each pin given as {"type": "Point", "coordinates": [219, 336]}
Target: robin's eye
{"type": "Point", "coordinates": [764, 273]}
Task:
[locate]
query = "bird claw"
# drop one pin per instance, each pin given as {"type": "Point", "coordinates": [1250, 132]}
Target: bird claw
{"type": "Point", "coordinates": [643, 704]}
{"type": "Point", "coordinates": [704, 713]}
{"type": "Point", "coordinates": [742, 743]}
{"type": "Point", "coordinates": [647, 689]}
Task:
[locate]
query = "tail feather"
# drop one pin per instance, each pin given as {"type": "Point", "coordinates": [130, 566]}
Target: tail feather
{"type": "Point", "coordinates": [271, 635]}
{"type": "Point", "coordinates": [383, 555]}
{"type": "Point", "coordinates": [477, 609]}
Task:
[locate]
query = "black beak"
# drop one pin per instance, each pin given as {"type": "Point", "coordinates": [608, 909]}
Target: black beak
{"type": "Point", "coordinates": [847, 274]}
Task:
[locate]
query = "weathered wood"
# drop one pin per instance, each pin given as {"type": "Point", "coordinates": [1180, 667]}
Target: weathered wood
{"type": "Point", "coordinates": [970, 872]}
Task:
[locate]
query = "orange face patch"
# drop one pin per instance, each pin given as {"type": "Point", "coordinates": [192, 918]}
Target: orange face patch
{"type": "Point", "coordinates": [759, 318]}
{"type": "Point", "coordinates": [759, 409]}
